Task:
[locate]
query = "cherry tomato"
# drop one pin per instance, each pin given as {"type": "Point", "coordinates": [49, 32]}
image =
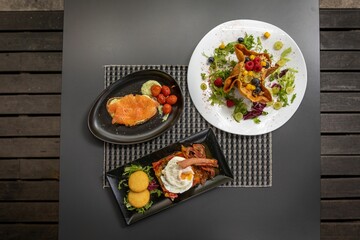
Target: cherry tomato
{"type": "Point", "coordinates": [172, 99]}
{"type": "Point", "coordinates": [165, 90]}
{"type": "Point", "coordinates": [167, 108]}
{"type": "Point", "coordinates": [155, 90]}
{"type": "Point", "coordinates": [161, 98]}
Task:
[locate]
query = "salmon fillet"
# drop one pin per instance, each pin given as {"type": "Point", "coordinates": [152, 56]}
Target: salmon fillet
{"type": "Point", "coordinates": [131, 110]}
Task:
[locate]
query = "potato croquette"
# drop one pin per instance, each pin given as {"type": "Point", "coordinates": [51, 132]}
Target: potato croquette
{"type": "Point", "coordinates": [139, 199]}
{"type": "Point", "coordinates": [138, 181]}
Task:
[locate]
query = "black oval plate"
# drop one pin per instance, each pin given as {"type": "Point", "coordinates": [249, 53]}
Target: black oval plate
{"type": "Point", "coordinates": [99, 120]}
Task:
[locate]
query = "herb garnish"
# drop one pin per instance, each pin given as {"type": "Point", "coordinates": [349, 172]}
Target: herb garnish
{"type": "Point", "coordinates": [249, 41]}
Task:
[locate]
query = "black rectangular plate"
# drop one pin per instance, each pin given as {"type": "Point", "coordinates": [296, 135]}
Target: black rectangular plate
{"type": "Point", "coordinates": [213, 150]}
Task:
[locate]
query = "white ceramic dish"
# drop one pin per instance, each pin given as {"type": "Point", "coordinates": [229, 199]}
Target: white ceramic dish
{"type": "Point", "coordinates": [221, 116]}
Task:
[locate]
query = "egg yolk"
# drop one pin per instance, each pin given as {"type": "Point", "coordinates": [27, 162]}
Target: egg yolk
{"type": "Point", "coordinates": [186, 176]}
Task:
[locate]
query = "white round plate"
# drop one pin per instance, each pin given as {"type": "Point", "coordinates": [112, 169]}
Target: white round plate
{"type": "Point", "coordinates": [221, 116]}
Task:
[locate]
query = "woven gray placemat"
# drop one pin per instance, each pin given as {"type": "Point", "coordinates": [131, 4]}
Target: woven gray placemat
{"type": "Point", "coordinates": [249, 157]}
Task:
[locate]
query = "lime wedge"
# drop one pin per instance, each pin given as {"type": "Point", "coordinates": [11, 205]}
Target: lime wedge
{"type": "Point", "coordinates": [238, 116]}
{"type": "Point", "coordinates": [278, 45]}
{"type": "Point", "coordinates": [277, 105]}
{"type": "Point", "coordinates": [289, 90]}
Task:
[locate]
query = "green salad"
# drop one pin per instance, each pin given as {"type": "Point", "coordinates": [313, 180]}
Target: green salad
{"type": "Point", "coordinates": [280, 82]}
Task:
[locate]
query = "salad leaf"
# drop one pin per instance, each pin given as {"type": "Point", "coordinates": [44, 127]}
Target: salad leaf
{"type": "Point", "coordinates": [249, 41]}
{"type": "Point", "coordinates": [283, 57]}
{"type": "Point", "coordinates": [286, 81]}
{"type": "Point", "coordinates": [218, 95]}
{"type": "Point", "coordinates": [285, 53]}
{"type": "Point", "coordinates": [133, 168]}
{"type": "Point", "coordinates": [139, 210]}
{"type": "Point", "coordinates": [156, 191]}
{"type": "Point", "coordinates": [258, 47]}
{"type": "Point", "coordinates": [256, 120]}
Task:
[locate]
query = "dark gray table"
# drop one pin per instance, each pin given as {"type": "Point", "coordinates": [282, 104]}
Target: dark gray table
{"type": "Point", "coordinates": [159, 32]}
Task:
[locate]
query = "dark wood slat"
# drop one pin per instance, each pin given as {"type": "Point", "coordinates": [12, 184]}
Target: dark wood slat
{"type": "Point", "coordinates": [31, 62]}
{"type": "Point", "coordinates": [340, 60]}
{"type": "Point", "coordinates": [340, 209]}
{"type": "Point", "coordinates": [30, 104]}
{"type": "Point", "coordinates": [29, 231]}
{"type": "Point", "coordinates": [340, 188]}
{"type": "Point", "coordinates": [30, 126]}
{"type": "Point", "coordinates": [31, 5]}
{"type": "Point", "coordinates": [340, 165]}
{"type": "Point", "coordinates": [29, 169]}
{"type": "Point", "coordinates": [30, 83]}
{"type": "Point", "coordinates": [30, 41]}
{"type": "Point", "coordinates": [29, 190]}
{"type": "Point", "coordinates": [29, 147]}
{"type": "Point", "coordinates": [340, 231]}
{"type": "Point", "coordinates": [29, 212]}
{"type": "Point", "coordinates": [9, 169]}
{"type": "Point", "coordinates": [340, 81]}
{"type": "Point", "coordinates": [34, 20]}
{"type": "Point", "coordinates": [39, 169]}
{"type": "Point", "coordinates": [340, 145]}
{"type": "Point", "coordinates": [340, 102]}
{"type": "Point", "coordinates": [339, 4]}
{"type": "Point", "coordinates": [339, 123]}
{"type": "Point", "coordinates": [340, 18]}
{"type": "Point", "coordinates": [340, 40]}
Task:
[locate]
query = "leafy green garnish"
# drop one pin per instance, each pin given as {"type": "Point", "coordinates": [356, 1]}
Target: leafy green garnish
{"type": "Point", "coordinates": [165, 117]}
{"type": "Point", "coordinates": [256, 120]}
{"type": "Point", "coordinates": [293, 98]}
{"type": "Point", "coordinates": [285, 53]}
{"type": "Point", "coordinates": [121, 183]}
{"type": "Point", "coordinates": [258, 47]}
{"type": "Point", "coordinates": [203, 76]}
{"type": "Point", "coordinates": [224, 74]}
{"type": "Point", "coordinates": [249, 41]}
{"type": "Point", "coordinates": [139, 210]}
{"type": "Point", "coordinates": [283, 57]}
{"type": "Point", "coordinates": [286, 81]}
{"type": "Point", "coordinates": [240, 106]}
{"type": "Point", "coordinates": [221, 56]}
{"type": "Point", "coordinates": [218, 95]}
{"type": "Point", "coordinates": [133, 168]}
{"type": "Point", "coordinates": [156, 191]}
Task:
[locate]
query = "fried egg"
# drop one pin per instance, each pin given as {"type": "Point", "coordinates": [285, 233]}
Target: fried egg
{"type": "Point", "coordinates": [175, 178]}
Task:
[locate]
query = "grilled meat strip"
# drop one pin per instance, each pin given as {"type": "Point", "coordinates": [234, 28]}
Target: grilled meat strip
{"type": "Point", "coordinates": [206, 162]}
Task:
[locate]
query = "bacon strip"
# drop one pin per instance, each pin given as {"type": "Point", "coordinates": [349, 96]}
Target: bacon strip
{"type": "Point", "coordinates": [195, 151]}
{"type": "Point", "coordinates": [198, 162]}
{"type": "Point", "coordinates": [210, 170]}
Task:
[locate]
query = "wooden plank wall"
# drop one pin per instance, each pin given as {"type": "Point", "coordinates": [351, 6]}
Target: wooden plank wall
{"type": "Point", "coordinates": [30, 89]}
{"type": "Point", "coordinates": [340, 123]}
